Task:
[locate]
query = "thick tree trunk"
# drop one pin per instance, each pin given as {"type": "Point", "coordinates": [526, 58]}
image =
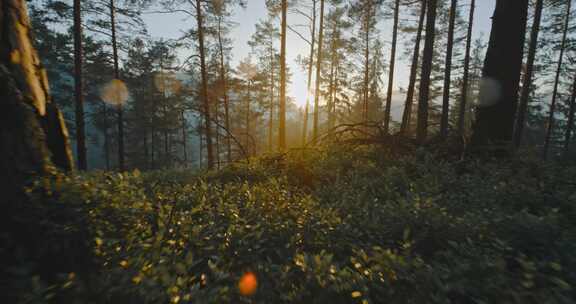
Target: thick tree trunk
{"type": "Point", "coordinates": [423, 101]}
{"type": "Point", "coordinates": [204, 84]}
{"type": "Point", "coordinates": [551, 119]}
{"type": "Point", "coordinates": [448, 71]}
{"type": "Point", "coordinates": [33, 136]}
{"type": "Point", "coordinates": [282, 109]}
{"type": "Point", "coordinates": [500, 79]}
{"type": "Point", "coordinates": [78, 90]}
{"type": "Point", "coordinates": [570, 123]}
{"type": "Point", "coordinates": [466, 75]}
{"type": "Point", "coordinates": [310, 67]}
{"type": "Point", "coordinates": [120, 110]}
{"type": "Point", "coordinates": [527, 83]}
{"type": "Point", "coordinates": [392, 66]}
{"type": "Point", "coordinates": [318, 73]}
{"type": "Point", "coordinates": [406, 116]}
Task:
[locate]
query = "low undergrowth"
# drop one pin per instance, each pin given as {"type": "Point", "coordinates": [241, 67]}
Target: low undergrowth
{"type": "Point", "coordinates": [337, 225]}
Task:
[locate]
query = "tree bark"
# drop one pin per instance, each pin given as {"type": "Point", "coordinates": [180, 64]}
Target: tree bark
{"type": "Point", "coordinates": [78, 90]}
{"type": "Point", "coordinates": [204, 84]}
{"type": "Point", "coordinates": [272, 81]}
{"type": "Point", "coordinates": [310, 67]}
{"type": "Point", "coordinates": [406, 116]}
{"type": "Point", "coordinates": [282, 109]}
{"type": "Point", "coordinates": [466, 75]}
{"type": "Point", "coordinates": [492, 131]}
{"type": "Point", "coordinates": [570, 124]}
{"type": "Point", "coordinates": [423, 101]}
{"type": "Point", "coordinates": [448, 71]}
{"type": "Point", "coordinates": [120, 110]}
{"type": "Point", "coordinates": [366, 63]}
{"type": "Point", "coordinates": [556, 82]}
{"type": "Point", "coordinates": [392, 66]}
{"type": "Point", "coordinates": [33, 136]}
{"type": "Point", "coordinates": [318, 73]}
{"type": "Point", "coordinates": [527, 83]}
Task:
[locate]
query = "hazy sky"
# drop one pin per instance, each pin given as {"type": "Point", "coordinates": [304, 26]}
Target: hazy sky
{"type": "Point", "coordinates": [171, 26]}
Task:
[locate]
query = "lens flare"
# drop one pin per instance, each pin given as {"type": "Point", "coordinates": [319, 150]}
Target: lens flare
{"type": "Point", "coordinates": [114, 92]}
{"type": "Point", "coordinates": [248, 284]}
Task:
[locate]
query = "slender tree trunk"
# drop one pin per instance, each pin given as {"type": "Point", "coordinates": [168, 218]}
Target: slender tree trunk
{"type": "Point", "coordinates": [120, 110]}
{"type": "Point", "coordinates": [423, 101]}
{"type": "Point", "coordinates": [466, 75]}
{"type": "Point", "coordinates": [204, 84]}
{"type": "Point", "coordinates": [184, 139]}
{"type": "Point", "coordinates": [78, 91]}
{"type": "Point", "coordinates": [392, 66]}
{"type": "Point", "coordinates": [406, 116]}
{"type": "Point", "coordinates": [570, 124]}
{"type": "Point", "coordinates": [272, 82]}
{"type": "Point", "coordinates": [310, 67]}
{"type": "Point", "coordinates": [282, 109]}
{"type": "Point", "coordinates": [33, 135]}
{"type": "Point", "coordinates": [448, 71]}
{"type": "Point", "coordinates": [332, 79]}
{"type": "Point", "coordinates": [492, 130]}
{"type": "Point", "coordinates": [318, 73]}
{"type": "Point", "coordinates": [551, 120]}
{"type": "Point", "coordinates": [527, 83]}
{"type": "Point", "coordinates": [224, 81]}
{"type": "Point", "coordinates": [366, 63]}
{"type": "Point", "coordinates": [248, 141]}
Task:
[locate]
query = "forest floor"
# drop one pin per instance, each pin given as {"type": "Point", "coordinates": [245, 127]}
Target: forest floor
{"type": "Point", "coordinates": [337, 225]}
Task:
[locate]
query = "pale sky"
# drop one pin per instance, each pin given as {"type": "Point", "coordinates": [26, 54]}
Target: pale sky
{"type": "Point", "coordinates": [170, 26]}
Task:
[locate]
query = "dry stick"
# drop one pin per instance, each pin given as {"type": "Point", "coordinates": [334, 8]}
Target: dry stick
{"type": "Point", "coordinates": [556, 81]}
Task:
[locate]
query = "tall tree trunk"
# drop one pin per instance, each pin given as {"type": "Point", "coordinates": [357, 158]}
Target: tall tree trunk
{"type": "Point", "coordinates": [501, 79]}
{"type": "Point", "coordinates": [184, 140]}
{"type": "Point", "coordinates": [33, 136]}
{"type": "Point", "coordinates": [466, 75]}
{"type": "Point", "coordinates": [310, 67]}
{"type": "Point", "coordinates": [272, 83]}
{"type": "Point", "coordinates": [448, 71]}
{"type": "Point", "coordinates": [204, 84]}
{"type": "Point", "coordinates": [282, 109]}
{"type": "Point", "coordinates": [224, 81]}
{"type": "Point", "coordinates": [556, 82]}
{"type": "Point", "coordinates": [366, 63]}
{"type": "Point", "coordinates": [570, 123]}
{"type": "Point", "coordinates": [407, 115]}
{"type": "Point", "coordinates": [318, 73]}
{"type": "Point", "coordinates": [392, 66]}
{"type": "Point", "coordinates": [423, 101]}
{"type": "Point", "coordinates": [527, 82]}
{"type": "Point", "coordinates": [248, 137]}
{"type": "Point", "coordinates": [120, 110]}
{"type": "Point", "coordinates": [332, 85]}
{"type": "Point", "coordinates": [78, 91]}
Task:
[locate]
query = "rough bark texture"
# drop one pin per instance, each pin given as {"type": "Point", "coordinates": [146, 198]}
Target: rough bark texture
{"type": "Point", "coordinates": [466, 75]}
{"type": "Point", "coordinates": [392, 66]}
{"type": "Point", "coordinates": [448, 71]}
{"type": "Point", "coordinates": [423, 101]}
{"type": "Point", "coordinates": [318, 73]}
{"type": "Point", "coordinates": [492, 131]}
{"type": "Point", "coordinates": [78, 90]}
{"type": "Point", "coordinates": [552, 110]}
{"type": "Point", "coordinates": [204, 84]}
{"type": "Point", "coordinates": [406, 116]}
{"type": "Point", "coordinates": [33, 136]}
{"type": "Point", "coordinates": [527, 82]}
{"type": "Point", "coordinates": [282, 108]}
{"type": "Point", "coordinates": [570, 123]}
